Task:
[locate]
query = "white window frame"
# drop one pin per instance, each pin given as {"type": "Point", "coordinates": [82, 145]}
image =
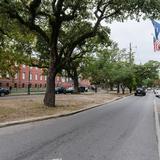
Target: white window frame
{"type": "Point", "coordinates": [16, 76]}
{"type": "Point", "coordinates": [23, 76]}
{"type": "Point", "coordinates": [31, 76]}
{"type": "Point", "coordinates": [36, 77]}
{"type": "Point", "coordinates": [41, 77]}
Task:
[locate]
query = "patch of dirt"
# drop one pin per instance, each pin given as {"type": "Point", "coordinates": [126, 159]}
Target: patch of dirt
{"type": "Point", "coordinates": [21, 108]}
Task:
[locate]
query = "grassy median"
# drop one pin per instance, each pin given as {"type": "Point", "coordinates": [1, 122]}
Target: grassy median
{"type": "Point", "coordinates": [23, 108]}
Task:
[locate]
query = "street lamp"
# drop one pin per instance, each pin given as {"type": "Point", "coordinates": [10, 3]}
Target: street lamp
{"type": "Point", "coordinates": [29, 72]}
{"type": "Point", "coordinates": [131, 53]}
{"type": "Point", "coordinates": [29, 81]}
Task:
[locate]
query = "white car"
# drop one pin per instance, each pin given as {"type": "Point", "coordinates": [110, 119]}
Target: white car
{"type": "Point", "coordinates": [157, 93]}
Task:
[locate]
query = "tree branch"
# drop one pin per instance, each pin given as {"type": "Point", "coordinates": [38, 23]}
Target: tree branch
{"type": "Point", "coordinates": [30, 25]}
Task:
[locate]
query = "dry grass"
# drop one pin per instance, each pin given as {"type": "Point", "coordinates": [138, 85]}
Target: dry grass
{"type": "Point", "coordinates": [24, 108]}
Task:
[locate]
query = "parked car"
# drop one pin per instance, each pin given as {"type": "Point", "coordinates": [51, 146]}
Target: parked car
{"type": "Point", "coordinates": [140, 91]}
{"type": "Point", "coordinates": [4, 91]}
{"type": "Point", "coordinates": [81, 89]}
{"type": "Point", "coordinates": [59, 90]}
{"type": "Point", "coordinates": [70, 90]}
{"type": "Point", "coordinates": [157, 93]}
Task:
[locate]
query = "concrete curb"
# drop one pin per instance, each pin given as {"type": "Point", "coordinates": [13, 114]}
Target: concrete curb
{"type": "Point", "coordinates": [157, 127]}
{"type": "Point", "coordinates": [5, 124]}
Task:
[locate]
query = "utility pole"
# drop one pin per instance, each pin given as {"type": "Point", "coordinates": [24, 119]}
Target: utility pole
{"type": "Point", "coordinates": [131, 57]}
{"type": "Point", "coordinates": [130, 53]}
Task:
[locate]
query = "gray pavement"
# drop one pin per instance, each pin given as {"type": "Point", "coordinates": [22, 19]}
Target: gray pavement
{"type": "Point", "coordinates": [122, 130]}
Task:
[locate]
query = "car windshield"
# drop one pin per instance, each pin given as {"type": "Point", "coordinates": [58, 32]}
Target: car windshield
{"type": "Point", "coordinates": [139, 88]}
{"type": "Point", "coordinates": [70, 88]}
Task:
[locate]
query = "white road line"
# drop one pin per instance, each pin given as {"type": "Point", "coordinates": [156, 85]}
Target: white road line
{"type": "Point", "coordinates": [157, 126]}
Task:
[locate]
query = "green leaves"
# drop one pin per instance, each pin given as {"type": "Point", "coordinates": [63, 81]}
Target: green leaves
{"type": "Point", "coordinates": [147, 72]}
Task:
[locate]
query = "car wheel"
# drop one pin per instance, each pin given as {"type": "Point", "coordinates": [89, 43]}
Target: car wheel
{"type": "Point", "coordinates": [2, 94]}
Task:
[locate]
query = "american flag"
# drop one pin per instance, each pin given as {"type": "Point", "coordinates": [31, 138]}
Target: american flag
{"type": "Point", "coordinates": [156, 44]}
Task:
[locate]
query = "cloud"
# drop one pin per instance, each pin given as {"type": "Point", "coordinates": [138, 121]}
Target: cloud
{"type": "Point", "coordinates": [139, 34]}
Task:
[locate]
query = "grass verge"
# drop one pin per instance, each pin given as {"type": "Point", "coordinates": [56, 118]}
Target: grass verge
{"type": "Point", "coordinates": [24, 108]}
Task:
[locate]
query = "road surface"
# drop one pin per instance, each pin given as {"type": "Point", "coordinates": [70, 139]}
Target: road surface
{"type": "Point", "coordinates": [122, 130]}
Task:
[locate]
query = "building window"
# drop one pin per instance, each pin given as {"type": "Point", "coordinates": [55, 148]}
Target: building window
{"type": "Point", "coordinates": [63, 79]}
{"type": "Point", "coordinates": [24, 66]}
{"type": "Point", "coordinates": [36, 77]}
{"type": "Point", "coordinates": [23, 85]}
{"type": "Point", "coordinates": [16, 76]}
{"type": "Point", "coordinates": [45, 85]}
{"type": "Point", "coordinates": [30, 67]}
{"type": "Point", "coordinates": [40, 85]}
{"type": "Point", "coordinates": [45, 78]}
{"type": "Point", "coordinates": [41, 78]}
{"type": "Point", "coordinates": [0, 84]}
{"type": "Point", "coordinates": [36, 68]}
{"type": "Point", "coordinates": [23, 76]}
{"type": "Point", "coordinates": [7, 84]}
{"type": "Point", "coordinates": [7, 75]}
{"type": "Point", "coordinates": [15, 85]}
{"type": "Point", "coordinates": [35, 85]}
{"type": "Point", "coordinates": [30, 76]}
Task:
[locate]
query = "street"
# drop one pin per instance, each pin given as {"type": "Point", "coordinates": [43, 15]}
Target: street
{"type": "Point", "coordinates": [122, 130]}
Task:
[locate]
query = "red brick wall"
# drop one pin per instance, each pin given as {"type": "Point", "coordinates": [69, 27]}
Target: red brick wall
{"type": "Point", "coordinates": [19, 82]}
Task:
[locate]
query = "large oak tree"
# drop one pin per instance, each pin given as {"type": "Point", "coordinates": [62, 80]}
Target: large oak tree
{"type": "Point", "coordinates": [65, 24]}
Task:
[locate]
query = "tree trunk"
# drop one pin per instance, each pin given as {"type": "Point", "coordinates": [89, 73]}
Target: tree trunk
{"type": "Point", "coordinates": [118, 89]}
{"type": "Point", "coordinates": [75, 82]}
{"type": "Point", "coordinates": [111, 87]}
{"type": "Point", "coordinates": [49, 99]}
{"type": "Point", "coordinates": [130, 90]}
{"type": "Point", "coordinates": [123, 88]}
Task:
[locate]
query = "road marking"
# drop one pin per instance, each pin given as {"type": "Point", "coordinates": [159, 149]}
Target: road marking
{"type": "Point", "coordinates": [157, 126]}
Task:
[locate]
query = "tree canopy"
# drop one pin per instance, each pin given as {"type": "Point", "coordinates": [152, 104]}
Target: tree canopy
{"type": "Point", "coordinates": [60, 26]}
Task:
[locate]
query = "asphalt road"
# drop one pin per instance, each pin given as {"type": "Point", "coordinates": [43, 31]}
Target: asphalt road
{"type": "Point", "coordinates": [123, 130]}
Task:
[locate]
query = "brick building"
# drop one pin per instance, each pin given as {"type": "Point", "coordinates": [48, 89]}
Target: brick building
{"type": "Point", "coordinates": [37, 79]}
{"type": "Point", "coordinates": [21, 79]}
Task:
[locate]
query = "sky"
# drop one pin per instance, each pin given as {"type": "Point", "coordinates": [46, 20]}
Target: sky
{"type": "Point", "coordinates": [140, 35]}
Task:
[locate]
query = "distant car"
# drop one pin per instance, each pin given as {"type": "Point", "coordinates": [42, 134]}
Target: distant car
{"type": "Point", "coordinates": [157, 93]}
{"type": "Point", "coordinates": [4, 91]}
{"type": "Point", "coordinates": [86, 89]}
{"type": "Point", "coordinates": [154, 91]}
{"type": "Point", "coordinates": [140, 91]}
{"type": "Point", "coordinates": [59, 90]}
{"type": "Point", "coordinates": [81, 89]}
{"type": "Point", "coordinates": [70, 90]}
